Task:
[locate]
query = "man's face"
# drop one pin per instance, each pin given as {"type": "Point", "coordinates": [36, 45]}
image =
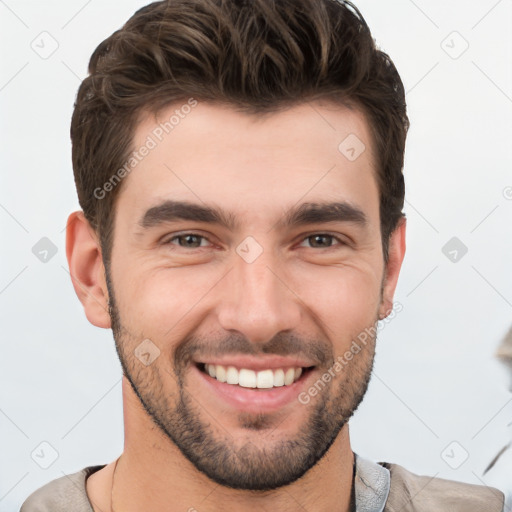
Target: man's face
{"type": "Point", "coordinates": [259, 295]}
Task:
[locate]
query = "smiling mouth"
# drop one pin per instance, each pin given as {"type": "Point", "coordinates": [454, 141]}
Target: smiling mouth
{"type": "Point", "coordinates": [262, 379]}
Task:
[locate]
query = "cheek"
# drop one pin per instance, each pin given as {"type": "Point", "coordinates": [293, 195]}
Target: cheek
{"type": "Point", "coordinates": [162, 300]}
{"type": "Point", "coordinates": [166, 303]}
{"type": "Point", "coordinates": [345, 298]}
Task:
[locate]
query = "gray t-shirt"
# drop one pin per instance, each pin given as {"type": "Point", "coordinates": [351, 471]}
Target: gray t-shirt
{"type": "Point", "coordinates": [378, 487]}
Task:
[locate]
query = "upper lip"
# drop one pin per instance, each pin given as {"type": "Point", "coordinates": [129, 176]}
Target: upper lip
{"type": "Point", "coordinates": [258, 363]}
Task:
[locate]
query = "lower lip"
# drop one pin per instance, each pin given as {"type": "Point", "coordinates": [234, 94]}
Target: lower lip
{"type": "Point", "coordinates": [252, 399]}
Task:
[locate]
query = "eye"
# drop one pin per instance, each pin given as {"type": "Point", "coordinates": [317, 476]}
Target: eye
{"type": "Point", "coordinates": [195, 241]}
{"type": "Point", "coordinates": [323, 240]}
{"type": "Point", "coordinates": [187, 240]}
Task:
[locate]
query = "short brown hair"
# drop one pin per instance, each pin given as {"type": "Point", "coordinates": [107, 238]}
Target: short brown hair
{"type": "Point", "coordinates": [254, 55]}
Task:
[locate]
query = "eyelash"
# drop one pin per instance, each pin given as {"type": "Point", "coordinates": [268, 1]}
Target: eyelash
{"type": "Point", "coordinates": [182, 235]}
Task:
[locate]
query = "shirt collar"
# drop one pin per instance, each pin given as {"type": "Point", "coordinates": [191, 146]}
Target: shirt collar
{"type": "Point", "coordinates": [371, 485]}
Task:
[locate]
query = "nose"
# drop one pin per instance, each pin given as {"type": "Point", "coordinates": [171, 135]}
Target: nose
{"type": "Point", "coordinates": [257, 301]}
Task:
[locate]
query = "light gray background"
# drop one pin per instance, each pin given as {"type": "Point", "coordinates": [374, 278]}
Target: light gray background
{"type": "Point", "coordinates": [436, 380]}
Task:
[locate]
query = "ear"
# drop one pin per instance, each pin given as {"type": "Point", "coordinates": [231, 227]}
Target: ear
{"type": "Point", "coordinates": [392, 269]}
{"type": "Point", "coordinates": [86, 268]}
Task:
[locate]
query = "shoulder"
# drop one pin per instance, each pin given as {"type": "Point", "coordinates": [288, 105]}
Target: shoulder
{"type": "Point", "coordinates": [62, 494]}
{"type": "Point", "coordinates": [416, 493]}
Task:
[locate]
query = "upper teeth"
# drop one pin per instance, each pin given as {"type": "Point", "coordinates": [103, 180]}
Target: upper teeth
{"type": "Point", "coordinates": [251, 379]}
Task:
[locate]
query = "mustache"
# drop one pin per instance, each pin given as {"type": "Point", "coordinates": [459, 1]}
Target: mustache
{"type": "Point", "coordinates": [318, 351]}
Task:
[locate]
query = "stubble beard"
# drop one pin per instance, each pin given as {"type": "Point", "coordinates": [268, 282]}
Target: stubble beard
{"type": "Point", "coordinates": [262, 465]}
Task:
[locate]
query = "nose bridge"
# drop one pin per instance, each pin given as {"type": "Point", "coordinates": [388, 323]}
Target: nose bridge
{"type": "Point", "coordinates": [257, 302]}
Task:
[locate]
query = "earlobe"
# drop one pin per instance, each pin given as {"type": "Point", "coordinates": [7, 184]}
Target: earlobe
{"type": "Point", "coordinates": [86, 268]}
{"type": "Point", "coordinates": [392, 270]}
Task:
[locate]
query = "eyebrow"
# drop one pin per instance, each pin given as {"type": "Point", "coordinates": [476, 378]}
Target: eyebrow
{"type": "Point", "coordinates": [306, 213]}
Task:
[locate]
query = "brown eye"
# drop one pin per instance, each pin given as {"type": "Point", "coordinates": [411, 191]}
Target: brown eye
{"type": "Point", "coordinates": [322, 240]}
{"type": "Point", "coordinates": [187, 240]}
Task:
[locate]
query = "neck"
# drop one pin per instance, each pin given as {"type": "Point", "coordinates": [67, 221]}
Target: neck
{"type": "Point", "coordinates": [153, 474]}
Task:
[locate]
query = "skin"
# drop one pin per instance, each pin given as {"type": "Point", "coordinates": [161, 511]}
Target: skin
{"type": "Point", "coordinates": [174, 295]}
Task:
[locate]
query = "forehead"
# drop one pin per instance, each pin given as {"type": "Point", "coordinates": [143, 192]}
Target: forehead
{"type": "Point", "coordinates": [252, 165]}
